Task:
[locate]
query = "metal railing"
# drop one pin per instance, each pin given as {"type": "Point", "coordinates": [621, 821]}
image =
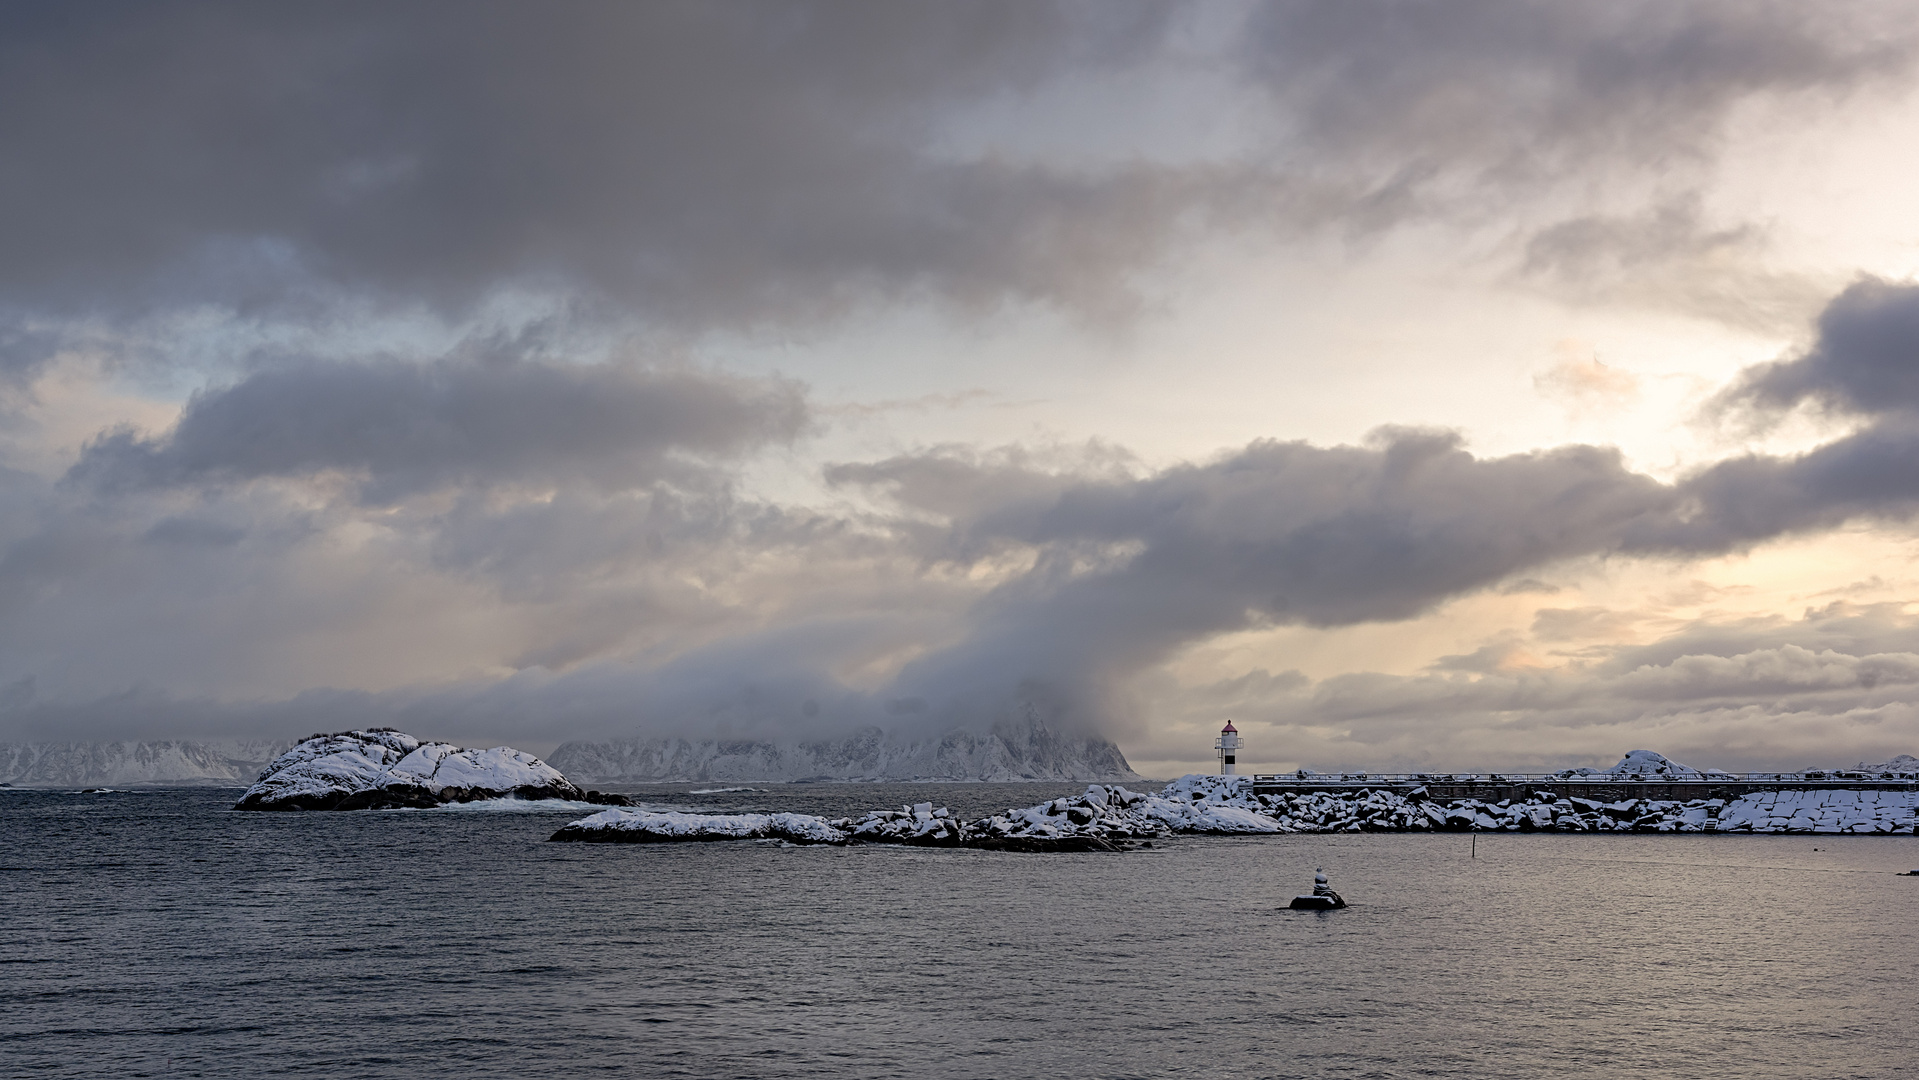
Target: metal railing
{"type": "Point", "coordinates": [1569, 776]}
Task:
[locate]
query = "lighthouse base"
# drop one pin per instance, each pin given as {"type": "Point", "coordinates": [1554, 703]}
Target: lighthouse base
{"type": "Point", "coordinates": [1328, 902]}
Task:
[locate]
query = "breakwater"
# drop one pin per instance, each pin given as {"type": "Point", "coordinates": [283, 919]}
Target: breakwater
{"type": "Point", "coordinates": [1505, 787]}
{"type": "Point", "coordinates": [1105, 818]}
{"type": "Point", "coordinates": [1830, 810]}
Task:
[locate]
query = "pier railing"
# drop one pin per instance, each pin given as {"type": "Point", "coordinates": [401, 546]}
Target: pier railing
{"type": "Point", "coordinates": [1605, 787]}
{"type": "Point", "coordinates": [1813, 776]}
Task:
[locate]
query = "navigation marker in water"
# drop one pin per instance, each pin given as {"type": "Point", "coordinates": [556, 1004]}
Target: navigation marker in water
{"type": "Point", "coordinates": [1323, 897]}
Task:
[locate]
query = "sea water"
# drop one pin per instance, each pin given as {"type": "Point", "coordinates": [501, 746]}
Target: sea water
{"type": "Point", "coordinates": [159, 934]}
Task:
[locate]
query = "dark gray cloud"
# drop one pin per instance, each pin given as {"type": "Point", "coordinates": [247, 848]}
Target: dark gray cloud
{"type": "Point", "coordinates": [538, 498]}
{"type": "Point", "coordinates": [1584, 132]}
{"type": "Point", "coordinates": [405, 427]}
{"type": "Point", "coordinates": [1864, 360]}
{"type": "Point", "coordinates": [729, 165]}
{"type": "Point", "coordinates": [726, 163]}
{"type": "Point", "coordinates": [1125, 570]}
{"type": "Point", "coordinates": [1753, 498]}
{"type": "Point", "coordinates": [1516, 92]}
{"type": "Point", "coordinates": [698, 161]}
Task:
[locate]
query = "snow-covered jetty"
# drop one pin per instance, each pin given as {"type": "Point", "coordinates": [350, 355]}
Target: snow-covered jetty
{"type": "Point", "coordinates": [1640, 774]}
{"type": "Point", "coordinates": [380, 768]}
{"type": "Point", "coordinates": [1110, 817]}
{"type": "Point", "coordinates": [1092, 822]}
{"type": "Point", "coordinates": [1104, 818]}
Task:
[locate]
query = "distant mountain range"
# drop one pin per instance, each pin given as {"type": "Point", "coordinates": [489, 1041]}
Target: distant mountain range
{"type": "Point", "coordinates": [1025, 750]}
{"type": "Point", "coordinates": [231, 763]}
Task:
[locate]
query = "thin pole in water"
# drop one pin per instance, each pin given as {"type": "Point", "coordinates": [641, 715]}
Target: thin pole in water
{"type": "Point", "coordinates": [1475, 843]}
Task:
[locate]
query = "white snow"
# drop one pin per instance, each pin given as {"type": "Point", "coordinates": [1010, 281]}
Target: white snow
{"type": "Point", "coordinates": [1199, 804]}
{"type": "Point", "coordinates": [673, 825]}
{"type": "Point", "coordinates": [355, 761]}
{"type": "Point", "coordinates": [1905, 765]}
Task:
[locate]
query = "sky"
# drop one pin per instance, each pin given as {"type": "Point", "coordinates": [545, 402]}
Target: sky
{"type": "Point", "coordinates": [1485, 384]}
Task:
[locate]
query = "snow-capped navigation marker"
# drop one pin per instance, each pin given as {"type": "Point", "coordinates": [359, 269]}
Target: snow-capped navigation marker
{"type": "Point", "coordinates": [1323, 898]}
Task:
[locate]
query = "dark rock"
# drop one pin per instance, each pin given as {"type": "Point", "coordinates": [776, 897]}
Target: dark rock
{"type": "Point", "coordinates": [1038, 845]}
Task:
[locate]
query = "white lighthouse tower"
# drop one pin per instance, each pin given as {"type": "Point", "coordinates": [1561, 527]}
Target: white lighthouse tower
{"type": "Point", "coordinates": [1228, 747]}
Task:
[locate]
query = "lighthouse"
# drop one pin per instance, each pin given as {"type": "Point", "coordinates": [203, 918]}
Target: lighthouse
{"type": "Point", "coordinates": [1228, 747]}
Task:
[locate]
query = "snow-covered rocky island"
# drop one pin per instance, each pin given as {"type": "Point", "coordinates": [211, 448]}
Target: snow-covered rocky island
{"type": "Point", "coordinates": [379, 769]}
{"type": "Point", "coordinates": [1109, 817]}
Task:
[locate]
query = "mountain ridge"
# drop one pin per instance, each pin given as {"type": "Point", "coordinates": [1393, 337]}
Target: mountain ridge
{"type": "Point", "coordinates": [1008, 752]}
{"type": "Point", "coordinates": [132, 763]}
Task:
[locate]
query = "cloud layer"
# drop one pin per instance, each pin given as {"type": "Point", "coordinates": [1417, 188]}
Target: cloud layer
{"type": "Point", "coordinates": [1746, 694]}
{"type": "Point", "coordinates": [403, 428]}
{"type": "Point", "coordinates": [722, 164]}
{"type": "Point", "coordinates": [518, 535]}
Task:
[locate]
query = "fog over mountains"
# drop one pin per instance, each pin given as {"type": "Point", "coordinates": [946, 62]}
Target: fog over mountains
{"type": "Point", "coordinates": [168, 762]}
{"type": "Point", "coordinates": [1011, 751]}
{"type": "Point", "coordinates": [1479, 385]}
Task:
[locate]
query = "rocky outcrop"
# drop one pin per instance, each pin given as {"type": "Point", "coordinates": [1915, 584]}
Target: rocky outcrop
{"type": "Point", "coordinates": [1025, 750]}
{"type": "Point", "coordinates": [170, 762]}
{"type": "Point", "coordinates": [1110, 817]}
{"type": "Point", "coordinates": [380, 768]}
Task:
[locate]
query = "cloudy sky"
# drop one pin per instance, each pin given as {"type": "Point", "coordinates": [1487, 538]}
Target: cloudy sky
{"type": "Point", "coordinates": [1476, 384]}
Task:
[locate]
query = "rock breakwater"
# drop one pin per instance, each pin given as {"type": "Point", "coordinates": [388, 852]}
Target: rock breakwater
{"type": "Point", "coordinates": [1111, 817]}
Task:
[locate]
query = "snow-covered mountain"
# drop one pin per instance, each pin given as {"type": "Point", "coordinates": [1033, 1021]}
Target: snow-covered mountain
{"type": "Point", "coordinates": [1012, 751]}
{"type": "Point", "coordinates": [1903, 765]}
{"type": "Point", "coordinates": [124, 764]}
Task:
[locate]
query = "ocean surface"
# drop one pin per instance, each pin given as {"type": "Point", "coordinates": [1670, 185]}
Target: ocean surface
{"type": "Point", "coordinates": [157, 934]}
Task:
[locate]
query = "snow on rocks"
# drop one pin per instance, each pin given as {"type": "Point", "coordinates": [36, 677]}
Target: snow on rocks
{"type": "Point", "coordinates": [1110, 817]}
{"type": "Point", "coordinates": [1102, 818]}
{"type": "Point", "coordinates": [380, 768]}
{"type": "Point", "coordinates": [1647, 765]}
{"type": "Point", "coordinates": [1840, 811]}
{"type": "Point", "coordinates": [646, 826]}
{"type": "Point", "coordinates": [1061, 825]}
{"type": "Point", "coordinates": [1903, 767]}
{"type": "Point", "coordinates": [1375, 810]}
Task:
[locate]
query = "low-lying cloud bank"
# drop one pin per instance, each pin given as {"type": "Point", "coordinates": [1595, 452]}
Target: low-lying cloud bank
{"type": "Point", "coordinates": [1745, 695]}
{"type": "Point", "coordinates": [621, 584]}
